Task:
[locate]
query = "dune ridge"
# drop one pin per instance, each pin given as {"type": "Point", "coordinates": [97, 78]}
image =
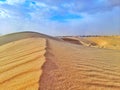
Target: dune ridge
{"type": "Point", "coordinates": [40, 62]}
{"type": "Point", "coordinates": [23, 35]}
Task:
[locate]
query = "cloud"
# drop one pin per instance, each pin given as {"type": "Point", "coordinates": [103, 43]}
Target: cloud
{"type": "Point", "coordinates": [12, 2]}
{"type": "Point", "coordinates": [80, 6]}
{"type": "Point", "coordinates": [106, 23]}
{"type": "Point", "coordinates": [47, 8]}
{"type": "Point", "coordinates": [4, 13]}
{"type": "Point", "coordinates": [59, 17]}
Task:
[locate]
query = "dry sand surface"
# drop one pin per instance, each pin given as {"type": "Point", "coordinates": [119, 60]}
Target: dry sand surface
{"type": "Point", "coordinates": [20, 64]}
{"type": "Point", "coordinates": [109, 42]}
{"type": "Point", "coordinates": [47, 63]}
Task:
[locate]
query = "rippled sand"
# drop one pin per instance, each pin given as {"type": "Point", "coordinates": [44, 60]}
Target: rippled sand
{"type": "Point", "coordinates": [108, 42]}
{"type": "Point", "coordinates": [74, 67]}
{"type": "Point", "coordinates": [45, 63]}
{"type": "Point", "coordinates": [20, 64]}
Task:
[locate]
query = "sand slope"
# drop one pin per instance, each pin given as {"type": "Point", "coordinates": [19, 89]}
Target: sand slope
{"type": "Point", "coordinates": [22, 35]}
{"type": "Point", "coordinates": [20, 64]}
{"type": "Point", "coordinates": [74, 67]}
{"type": "Point", "coordinates": [108, 42]}
{"type": "Point", "coordinates": [47, 63]}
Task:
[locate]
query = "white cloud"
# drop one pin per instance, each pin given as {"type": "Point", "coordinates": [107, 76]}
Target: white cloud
{"type": "Point", "coordinates": [106, 23]}
{"type": "Point", "coordinates": [15, 17]}
{"type": "Point", "coordinates": [46, 6]}
{"type": "Point", "coordinates": [41, 4]}
{"type": "Point", "coordinates": [4, 13]}
{"type": "Point", "coordinates": [13, 2]}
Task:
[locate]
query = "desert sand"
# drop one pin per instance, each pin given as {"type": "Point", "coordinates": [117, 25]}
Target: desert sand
{"type": "Point", "coordinates": [20, 64]}
{"type": "Point", "coordinates": [33, 61]}
{"type": "Point", "coordinates": [109, 42]}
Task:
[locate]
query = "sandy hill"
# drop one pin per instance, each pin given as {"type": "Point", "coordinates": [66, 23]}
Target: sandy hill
{"type": "Point", "coordinates": [22, 35]}
{"type": "Point", "coordinates": [33, 61]}
{"type": "Point", "coordinates": [108, 42]}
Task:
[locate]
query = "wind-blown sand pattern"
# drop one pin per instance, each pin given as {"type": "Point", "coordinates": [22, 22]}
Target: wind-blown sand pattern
{"type": "Point", "coordinates": [109, 42]}
{"type": "Point", "coordinates": [47, 63]}
{"type": "Point", "coordinates": [73, 67]}
{"type": "Point", "coordinates": [20, 64]}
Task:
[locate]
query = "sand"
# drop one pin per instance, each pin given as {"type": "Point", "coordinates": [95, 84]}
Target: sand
{"type": "Point", "coordinates": [108, 42]}
{"type": "Point", "coordinates": [20, 64]}
{"type": "Point", "coordinates": [73, 67]}
{"type": "Point", "coordinates": [45, 63]}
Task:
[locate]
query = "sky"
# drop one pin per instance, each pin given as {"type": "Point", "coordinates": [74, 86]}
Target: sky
{"type": "Point", "coordinates": [61, 17]}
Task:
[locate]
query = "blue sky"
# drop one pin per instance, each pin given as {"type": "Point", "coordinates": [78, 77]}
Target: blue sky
{"type": "Point", "coordinates": [61, 17]}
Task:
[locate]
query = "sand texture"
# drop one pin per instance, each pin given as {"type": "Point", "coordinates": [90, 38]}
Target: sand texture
{"type": "Point", "coordinates": [20, 64]}
{"type": "Point", "coordinates": [48, 63]}
{"type": "Point", "coordinates": [108, 42]}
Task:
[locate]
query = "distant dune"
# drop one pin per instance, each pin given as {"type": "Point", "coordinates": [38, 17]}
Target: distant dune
{"type": "Point", "coordinates": [34, 61]}
{"type": "Point", "coordinates": [108, 42]}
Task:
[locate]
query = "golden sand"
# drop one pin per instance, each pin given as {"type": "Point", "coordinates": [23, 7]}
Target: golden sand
{"type": "Point", "coordinates": [20, 64]}
{"type": "Point", "coordinates": [74, 67]}
{"type": "Point", "coordinates": [108, 42]}
{"type": "Point", "coordinates": [45, 63]}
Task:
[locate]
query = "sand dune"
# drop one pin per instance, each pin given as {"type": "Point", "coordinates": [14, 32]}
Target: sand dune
{"type": "Point", "coordinates": [23, 35]}
{"type": "Point", "coordinates": [48, 63]}
{"type": "Point", "coordinates": [73, 67]}
{"type": "Point", "coordinates": [108, 42]}
{"type": "Point", "coordinates": [79, 40]}
{"type": "Point", "coordinates": [20, 64]}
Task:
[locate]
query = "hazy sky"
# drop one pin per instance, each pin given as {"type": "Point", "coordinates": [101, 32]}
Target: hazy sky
{"type": "Point", "coordinates": [60, 17]}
